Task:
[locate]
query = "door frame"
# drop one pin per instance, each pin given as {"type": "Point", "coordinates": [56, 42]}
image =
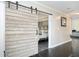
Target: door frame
{"type": "Point", "coordinates": [2, 30]}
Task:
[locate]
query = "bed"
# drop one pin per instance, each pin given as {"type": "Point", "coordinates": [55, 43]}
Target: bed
{"type": "Point", "coordinates": [43, 36]}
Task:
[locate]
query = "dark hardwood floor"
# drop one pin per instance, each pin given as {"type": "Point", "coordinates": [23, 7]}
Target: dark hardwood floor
{"type": "Point", "coordinates": [60, 51]}
{"type": "Point", "coordinates": [70, 49]}
{"type": "Point", "coordinates": [75, 46]}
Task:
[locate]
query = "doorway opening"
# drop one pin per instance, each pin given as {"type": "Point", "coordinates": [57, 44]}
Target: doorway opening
{"type": "Point", "coordinates": [75, 26]}
{"type": "Point", "coordinates": [43, 32]}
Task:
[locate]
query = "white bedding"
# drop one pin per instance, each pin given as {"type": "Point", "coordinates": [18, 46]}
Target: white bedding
{"type": "Point", "coordinates": [44, 35]}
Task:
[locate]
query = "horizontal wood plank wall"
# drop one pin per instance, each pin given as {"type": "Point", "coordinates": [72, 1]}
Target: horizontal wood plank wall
{"type": "Point", "coordinates": [20, 33]}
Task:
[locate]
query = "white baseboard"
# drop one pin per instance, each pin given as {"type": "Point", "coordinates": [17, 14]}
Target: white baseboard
{"type": "Point", "coordinates": [60, 44]}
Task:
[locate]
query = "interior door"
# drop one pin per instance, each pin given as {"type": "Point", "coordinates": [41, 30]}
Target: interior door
{"type": "Point", "coordinates": [20, 32]}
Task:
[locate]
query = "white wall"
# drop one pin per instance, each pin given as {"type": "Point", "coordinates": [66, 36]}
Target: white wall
{"type": "Point", "coordinates": [58, 35]}
{"type": "Point", "coordinates": [2, 29]}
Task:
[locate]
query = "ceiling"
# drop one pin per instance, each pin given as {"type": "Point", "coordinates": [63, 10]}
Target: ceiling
{"type": "Point", "coordinates": [64, 6]}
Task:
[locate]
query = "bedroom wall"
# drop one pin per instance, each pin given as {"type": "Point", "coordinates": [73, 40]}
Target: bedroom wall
{"type": "Point", "coordinates": [43, 26]}
{"type": "Point", "coordinates": [43, 22]}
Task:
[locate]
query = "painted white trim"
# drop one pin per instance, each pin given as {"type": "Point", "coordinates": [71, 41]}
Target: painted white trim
{"type": "Point", "coordinates": [60, 44]}
{"type": "Point", "coordinates": [49, 30]}
{"type": "Point", "coordinates": [2, 28]}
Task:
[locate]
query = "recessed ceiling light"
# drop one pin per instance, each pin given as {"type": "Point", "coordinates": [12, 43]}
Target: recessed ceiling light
{"type": "Point", "coordinates": [72, 10]}
{"type": "Point", "coordinates": [68, 8]}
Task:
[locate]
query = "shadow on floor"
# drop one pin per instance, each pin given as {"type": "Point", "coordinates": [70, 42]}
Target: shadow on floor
{"type": "Point", "coordinates": [42, 45]}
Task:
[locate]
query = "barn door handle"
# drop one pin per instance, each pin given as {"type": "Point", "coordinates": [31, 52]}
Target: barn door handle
{"type": "Point", "coordinates": [36, 32]}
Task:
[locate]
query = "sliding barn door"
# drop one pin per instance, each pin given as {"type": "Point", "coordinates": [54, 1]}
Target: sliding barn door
{"type": "Point", "coordinates": [21, 38]}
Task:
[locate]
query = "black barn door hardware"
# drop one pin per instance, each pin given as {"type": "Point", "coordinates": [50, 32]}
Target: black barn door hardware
{"type": "Point", "coordinates": [31, 9]}
{"type": "Point", "coordinates": [8, 4]}
{"type": "Point", "coordinates": [36, 10]}
{"type": "Point", "coordinates": [17, 4]}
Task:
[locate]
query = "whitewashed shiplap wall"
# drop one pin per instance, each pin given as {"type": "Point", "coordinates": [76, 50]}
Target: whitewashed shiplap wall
{"type": "Point", "coordinates": [20, 33]}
